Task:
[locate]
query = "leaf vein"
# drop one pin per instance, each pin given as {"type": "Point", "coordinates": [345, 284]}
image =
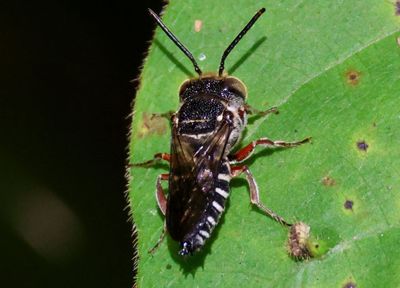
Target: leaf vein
{"type": "Point", "coordinates": [330, 66]}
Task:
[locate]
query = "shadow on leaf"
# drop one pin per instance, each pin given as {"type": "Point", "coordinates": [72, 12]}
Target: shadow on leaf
{"type": "Point", "coordinates": [173, 59]}
{"type": "Point", "coordinates": [245, 56]}
{"type": "Point", "coordinates": [190, 264]}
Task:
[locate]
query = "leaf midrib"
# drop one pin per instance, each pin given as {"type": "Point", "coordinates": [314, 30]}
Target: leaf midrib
{"type": "Point", "coordinates": [328, 67]}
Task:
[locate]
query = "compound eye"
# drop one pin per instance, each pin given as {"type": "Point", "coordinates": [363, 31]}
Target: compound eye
{"type": "Point", "coordinates": [184, 87]}
{"type": "Point", "coordinates": [235, 86]}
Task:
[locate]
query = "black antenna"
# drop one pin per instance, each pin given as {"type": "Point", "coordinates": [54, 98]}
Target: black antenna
{"type": "Point", "coordinates": [237, 39]}
{"type": "Point", "coordinates": [176, 41]}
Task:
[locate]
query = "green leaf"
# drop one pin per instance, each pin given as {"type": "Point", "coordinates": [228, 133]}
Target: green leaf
{"type": "Point", "coordinates": [333, 70]}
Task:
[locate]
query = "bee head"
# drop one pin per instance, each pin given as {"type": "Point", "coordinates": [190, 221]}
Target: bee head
{"type": "Point", "coordinates": [226, 87]}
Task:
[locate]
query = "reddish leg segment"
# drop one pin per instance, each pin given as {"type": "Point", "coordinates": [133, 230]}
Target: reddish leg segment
{"type": "Point", "coordinates": [160, 196]}
{"type": "Point", "coordinates": [254, 193]}
{"type": "Point", "coordinates": [248, 150]}
{"type": "Point", "coordinates": [157, 157]}
{"type": "Point", "coordinates": [162, 204]}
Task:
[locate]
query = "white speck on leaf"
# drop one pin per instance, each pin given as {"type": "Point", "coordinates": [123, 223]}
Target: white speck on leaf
{"type": "Point", "coordinates": [202, 57]}
{"type": "Point", "coordinates": [153, 212]}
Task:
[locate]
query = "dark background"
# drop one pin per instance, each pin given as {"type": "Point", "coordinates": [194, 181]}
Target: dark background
{"type": "Point", "coordinates": [65, 94]}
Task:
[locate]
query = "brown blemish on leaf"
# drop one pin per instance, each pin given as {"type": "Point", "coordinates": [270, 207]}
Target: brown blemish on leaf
{"type": "Point", "coordinates": [353, 77]}
{"type": "Point", "coordinates": [198, 24]}
{"type": "Point", "coordinates": [328, 181]}
{"type": "Point", "coordinates": [362, 145]}
{"type": "Point", "coordinates": [348, 204]}
{"type": "Point", "coordinates": [152, 124]}
{"type": "Point", "coordinates": [398, 41]}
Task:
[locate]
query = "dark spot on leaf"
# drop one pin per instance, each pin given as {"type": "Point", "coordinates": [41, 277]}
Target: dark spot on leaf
{"type": "Point", "coordinates": [298, 239]}
{"type": "Point", "coordinates": [168, 267]}
{"type": "Point", "coordinates": [353, 77]}
{"type": "Point", "coordinates": [328, 181]}
{"type": "Point", "coordinates": [348, 204]}
{"type": "Point", "coordinates": [350, 285]}
{"type": "Point", "coordinates": [362, 145]}
{"type": "Point", "coordinates": [152, 124]}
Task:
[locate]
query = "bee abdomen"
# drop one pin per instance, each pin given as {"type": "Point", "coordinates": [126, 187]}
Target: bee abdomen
{"type": "Point", "coordinates": [212, 213]}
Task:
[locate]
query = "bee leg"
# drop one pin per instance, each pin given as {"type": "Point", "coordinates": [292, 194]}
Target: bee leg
{"type": "Point", "coordinates": [248, 150]}
{"type": "Point", "coordinates": [162, 204]}
{"type": "Point", "coordinates": [160, 240]}
{"type": "Point", "coordinates": [157, 157]}
{"type": "Point", "coordinates": [255, 195]}
{"type": "Point", "coordinates": [252, 110]}
{"type": "Point", "coordinates": [160, 195]}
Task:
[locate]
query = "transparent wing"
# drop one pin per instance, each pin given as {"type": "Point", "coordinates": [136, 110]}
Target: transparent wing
{"type": "Point", "coordinates": [193, 171]}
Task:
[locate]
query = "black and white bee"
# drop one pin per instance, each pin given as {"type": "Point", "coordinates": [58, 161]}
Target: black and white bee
{"type": "Point", "coordinates": [205, 130]}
